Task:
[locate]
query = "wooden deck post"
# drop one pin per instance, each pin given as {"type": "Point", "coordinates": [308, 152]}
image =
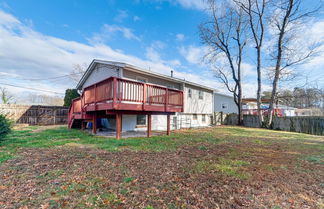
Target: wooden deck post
{"type": "Point", "coordinates": [149, 125]}
{"type": "Point", "coordinates": [118, 125]}
{"type": "Point", "coordinates": [94, 123]}
{"type": "Point", "coordinates": [166, 100]}
{"type": "Point", "coordinates": [168, 124]}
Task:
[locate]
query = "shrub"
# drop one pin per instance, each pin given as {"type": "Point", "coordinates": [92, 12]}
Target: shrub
{"type": "Point", "coordinates": [5, 126]}
{"type": "Point", "coordinates": [70, 94]}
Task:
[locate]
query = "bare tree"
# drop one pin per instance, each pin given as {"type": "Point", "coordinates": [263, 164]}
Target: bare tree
{"type": "Point", "coordinates": [225, 36]}
{"type": "Point", "coordinates": [78, 71]}
{"type": "Point", "coordinates": [43, 99]}
{"type": "Point", "coordinates": [255, 10]}
{"type": "Point", "coordinates": [287, 16]}
{"type": "Point", "coordinates": [6, 98]}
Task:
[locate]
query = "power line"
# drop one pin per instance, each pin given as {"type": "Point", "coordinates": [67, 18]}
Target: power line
{"type": "Point", "coordinates": [50, 78]}
{"type": "Point", "coordinates": [34, 89]}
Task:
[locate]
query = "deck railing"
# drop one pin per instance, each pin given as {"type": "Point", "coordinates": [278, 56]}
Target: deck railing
{"type": "Point", "coordinates": [123, 94]}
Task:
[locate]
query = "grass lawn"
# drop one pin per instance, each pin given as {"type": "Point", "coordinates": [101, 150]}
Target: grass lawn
{"type": "Point", "coordinates": [220, 167]}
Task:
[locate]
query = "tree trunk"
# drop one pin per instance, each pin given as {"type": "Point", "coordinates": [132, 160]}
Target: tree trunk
{"type": "Point", "coordinates": [259, 101]}
{"type": "Point", "coordinates": [273, 97]}
{"type": "Point", "coordinates": [239, 102]}
{"type": "Point", "coordinates": [275, 82]}
{"type": "Point", "coordinates": [240, 115]}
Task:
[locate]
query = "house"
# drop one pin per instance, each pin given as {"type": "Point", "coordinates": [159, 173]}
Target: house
{"type": "Point", "coordinates": [309, 112]}
{"type": "Point", "coordinates": [249, 107]}
{"type": "Point", "coordinates": [224, 103]}
{"type": "Point", "coordinates": [127, 98]}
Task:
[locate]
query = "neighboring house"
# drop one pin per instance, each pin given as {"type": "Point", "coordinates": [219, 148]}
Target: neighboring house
{"type": "Point", "coordinates": [189, 104]}
{"type": "Point", "coordinates": [249, 107]}
{"type": "Point", "coordinates": [309, 112]}
{"type": "Point", "coordinates": [224, 103]}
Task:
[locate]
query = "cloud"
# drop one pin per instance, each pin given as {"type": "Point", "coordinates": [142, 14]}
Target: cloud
{"type": "Point", "coordinates": [192, 4]}
{"type": "Point", "coordinates": [248, 70]}
{"type": "Point", "coordinates": [187, 4]}
{"type": "Point", "coordinates": [27, 54]}
{"type": "Point", "coordinates": [136, 18]}
{"type": "Point", "coordinates": [180, 37]}
{"type": "Point", "coordinates": [7, 19]}
{"type": "Point", "coordinates": [152, 52]}
{"type": "Point", "coordinates": [109, 31]}
{"type": "Point", "coordinates": [314, 33]}
{"type": "Point", "coordinates": [193, 54]}
{"type": "Point", "coordinates": [121, 16]}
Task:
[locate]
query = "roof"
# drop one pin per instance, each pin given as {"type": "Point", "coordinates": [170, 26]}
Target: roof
{"type": "Point", "coordinates": [225, 95]}
{"type": "Point", "coordinates": [135, 69]}
{"type": "Point", "coordinates": [254, 100]}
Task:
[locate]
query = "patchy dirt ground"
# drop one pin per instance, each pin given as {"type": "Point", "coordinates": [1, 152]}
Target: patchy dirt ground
{"type": "Point", "coordinates": [237, 174]}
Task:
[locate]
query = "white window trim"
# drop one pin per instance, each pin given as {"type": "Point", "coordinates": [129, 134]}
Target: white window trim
{"type": "Point", "coordinates": [202, 94]}
{"type": "Point", "coordinates": [189, 93]}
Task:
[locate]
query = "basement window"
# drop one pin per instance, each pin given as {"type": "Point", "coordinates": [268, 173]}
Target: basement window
{"type": "Point", "coordinates": [141, 120]}
{"type": "Point", "coordinates": [194, 117]}
{"type": "Point", "coordinates": [203, 119]}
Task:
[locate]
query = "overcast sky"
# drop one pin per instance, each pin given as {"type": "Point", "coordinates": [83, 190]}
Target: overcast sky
{"type": "Point", "coordinates": [45, 39]}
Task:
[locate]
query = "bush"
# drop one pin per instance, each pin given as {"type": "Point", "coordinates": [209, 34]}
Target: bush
{"type": "Point", "coordinates": [70, 94]}
{"type": "Point", "coordinates": [5, 126]}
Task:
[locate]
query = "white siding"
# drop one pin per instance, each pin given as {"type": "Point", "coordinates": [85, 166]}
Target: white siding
{"type": "Point", "coordinates": [222, 100]}
{"type": "Point", "coordinates": [100, 73]}
{"type": "Point", "coordinates": [196, 105]}
{"type": "Point", "coordinates": [178, 121]}
{"type": "Point", "coordinates": [150, 79]}
{"type": "Point", "coordinates": [159, 122]}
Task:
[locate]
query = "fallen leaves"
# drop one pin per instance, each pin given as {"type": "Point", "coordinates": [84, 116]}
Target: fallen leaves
{"type": "Point", "coordinates": [72, 176]}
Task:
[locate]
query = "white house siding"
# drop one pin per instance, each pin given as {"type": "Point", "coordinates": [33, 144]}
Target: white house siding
{"type": "Point", "coordinates": [100, 73]}
{"type": "Point", "coordinates": [194, 104]}
{"type": "Point", "coordinates": [179, 121]}
{"type": "Point", "coordinates": [224, 103]}
{"type": "Point", "coordinates": [188, 121]}
{"type": "Point", "coordinates": [150, 79]}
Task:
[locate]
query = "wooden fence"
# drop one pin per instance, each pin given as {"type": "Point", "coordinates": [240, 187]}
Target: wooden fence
{"type": "Point", "coordinates": [35, 114]}
{"type": "Point", "coordinates": [302, 124]}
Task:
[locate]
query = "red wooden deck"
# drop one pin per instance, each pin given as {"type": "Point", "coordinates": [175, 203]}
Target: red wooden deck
{"type": "Point", "coordinates": [116, 95]}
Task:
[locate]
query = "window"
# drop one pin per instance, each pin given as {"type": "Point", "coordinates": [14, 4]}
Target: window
{"type": "Point", "coordinates": [194, 116]}
{"type": "Point", "coordinates": [224, 106]}
{"type": "Point", "coordinates": [175, 124]}
{"type": "Point", "coordinates": [141, 79]}
{"type": "Point", "coordinates": [141, 120]}
{"type": "Point", "coordinates": [201, 95]}
{"type": "Point", "coordinates": [189, 93]}
{"type": "Point", "coordinates": [171, 86]}
{"type": "Point", "coordinates": [203, 119]}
